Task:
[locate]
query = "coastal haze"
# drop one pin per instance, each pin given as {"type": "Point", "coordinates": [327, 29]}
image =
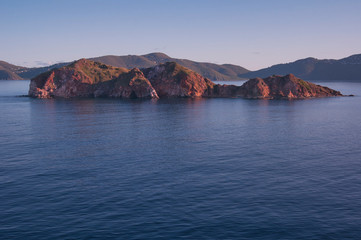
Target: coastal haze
{"type": "Point", "coordinates": [179, 119]}
{"type": "Point", "coordinates": [212, 71]}
{"type": "Point", "coordinates": [345, 69]}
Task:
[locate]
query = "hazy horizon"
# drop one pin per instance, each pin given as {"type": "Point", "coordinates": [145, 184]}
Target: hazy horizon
{"type": "Point", "coordinates": [252, 34]}
{"type": "Point", "coordinates": [45, 64]}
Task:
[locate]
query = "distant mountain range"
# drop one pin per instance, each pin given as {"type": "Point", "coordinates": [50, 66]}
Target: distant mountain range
{"type": "Point", "coordinates": [346, 69]}
{"type": "Point", "coordinates": [212, 71]}
{"type": "Point", "coordinates": [12, 72]}
{"type": "Point", "coordinates": [209, 70]}
{"type": "Point", "coordinates": [314, 69]}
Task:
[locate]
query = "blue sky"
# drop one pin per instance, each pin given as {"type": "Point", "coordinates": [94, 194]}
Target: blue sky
{"type": "Point", "coordinates": [250, 33]}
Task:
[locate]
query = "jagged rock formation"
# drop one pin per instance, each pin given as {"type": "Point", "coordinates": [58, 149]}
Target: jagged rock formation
{"type": "Point", "coordinates": [173, 80]}
{"type": "Point", "coordinates": [211, 71]}
{"type": "Point", "coordinates": [289, 86]}
{"type": "Point", "coordinates": [85, 78]}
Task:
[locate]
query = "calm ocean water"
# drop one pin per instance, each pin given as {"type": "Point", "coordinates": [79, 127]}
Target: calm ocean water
{"type": "Point", "coordinates": [181, 168]}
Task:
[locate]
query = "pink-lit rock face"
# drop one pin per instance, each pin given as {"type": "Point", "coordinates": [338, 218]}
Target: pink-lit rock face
{"type": "Point", "coordinates": [85, 78]}
{"type": "Point", "coordinates": [284, 87]}
{"type": "Point", "coordinates": [173, 80]}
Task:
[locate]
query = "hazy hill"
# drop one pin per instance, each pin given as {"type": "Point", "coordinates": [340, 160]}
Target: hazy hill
{"type": "Point", "coordinates": [345, 69]}
{"type": "Point", "coordinates": [12, 72]}
{"type": "Point", "coordinates": [8, 75]}
{"type": "Point", "coordinates": [348, 69]}
{"type": "Point", "coordinates": [208, 70]}
{"type": "Point", "coordinates": [28, 73]}
{"type": "Point", "coordinates": [7, 71]}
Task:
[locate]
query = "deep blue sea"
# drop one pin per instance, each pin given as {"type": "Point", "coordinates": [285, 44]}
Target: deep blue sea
{"type": "Point", "coordinates": [180, 168]}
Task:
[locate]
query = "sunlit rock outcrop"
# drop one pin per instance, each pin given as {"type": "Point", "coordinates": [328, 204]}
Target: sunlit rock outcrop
{"type": "Point", "coordinates": [85, 78]}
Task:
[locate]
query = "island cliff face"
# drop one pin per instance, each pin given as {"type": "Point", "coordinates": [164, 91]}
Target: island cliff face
{"type": "Point", "coordinates": [286, 87]}
{"type": "Point", "coordinates": [85, 78]}
{"type": "Point", "coordinates": [173, 80]}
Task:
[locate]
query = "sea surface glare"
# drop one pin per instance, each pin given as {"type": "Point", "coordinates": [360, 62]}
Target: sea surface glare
{"type": "Point", "coordinates": [180, 168]}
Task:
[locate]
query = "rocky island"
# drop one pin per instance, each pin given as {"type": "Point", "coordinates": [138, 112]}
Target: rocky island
{"type": "Point", "coordinates": [86, 78]}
